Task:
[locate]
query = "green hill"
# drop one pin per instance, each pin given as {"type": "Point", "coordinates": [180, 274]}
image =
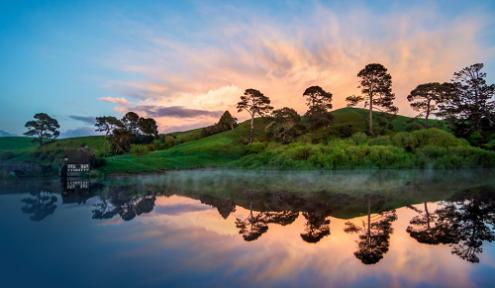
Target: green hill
{"type": "Point", "coordinates": [327, 148]}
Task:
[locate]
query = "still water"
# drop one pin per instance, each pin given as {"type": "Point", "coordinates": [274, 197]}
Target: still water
{"type": "Point", "coordinates": [216, 228]}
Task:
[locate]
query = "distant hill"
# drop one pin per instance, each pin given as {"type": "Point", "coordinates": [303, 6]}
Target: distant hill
{"type": "Point", "coordinates": [5, 134]}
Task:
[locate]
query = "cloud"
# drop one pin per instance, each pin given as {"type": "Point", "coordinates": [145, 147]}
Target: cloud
{"type": "Point", "coordinates": [176, 112]}
{"type": "Point", "coordinates": [86, 119]}
{"type": "Point", "coordinates": [78, 132]}
{"type": "Point", "coordinates": [115, 100]}
{"type": "Point", "coordinates": [282, 58]}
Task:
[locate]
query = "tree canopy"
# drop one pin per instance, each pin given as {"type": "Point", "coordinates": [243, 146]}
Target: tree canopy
{"type": "Point", "coordinates": [42, 128]}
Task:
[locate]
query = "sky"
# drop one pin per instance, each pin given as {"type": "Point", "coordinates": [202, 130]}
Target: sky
{"type": "Point", "coordinates": [185, 62]}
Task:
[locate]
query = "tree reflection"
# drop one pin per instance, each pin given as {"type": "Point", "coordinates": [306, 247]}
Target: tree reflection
{"type": "Point", "coordinates": [464, 223]}
{"type": "Point", "coordinates": [124, 204]}
{"type": "Point", "coordinates": [316, 227]}
{"type": "Point", "coordinates": [256, 224]}
{"type": "Point", "coordinates": [429, 228]}
{"type": "Point", "coordinates": [253, 226]}
{"type": "Point", "coordinates": [39, 205]}
{"type": "Point", "coordinates": [224, 206]}
{"type": "Point", "coordinates": [374, 238]}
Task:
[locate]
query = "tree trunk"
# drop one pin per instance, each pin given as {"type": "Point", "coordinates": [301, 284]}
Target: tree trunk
{"type": "Point", "coordinates": [369, 222]}
{"type": "Point", "coordinates": [427, 215]}
{"type": "Point", "coordinates": [251, 129]}
{"type": "Point", "coordinates": [370, 117]}
{"type": "Point", "coordinates": [427, 114]}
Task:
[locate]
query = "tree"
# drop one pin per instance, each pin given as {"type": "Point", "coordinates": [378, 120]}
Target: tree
{"type": "Point", "coordinates": [376, 87]}
{"type": "Point", "coordinates": [107, 124]}
{"type": "Point", "coordinates": [285, 125]}
{"type": "Point", "coordinates": [473, 101]}
{"type": "Point", "coordinates": [227, 121]}
{"type": "Point", "coordinates": [148, 127]}
{"type": "Point", "coordinates": [131, 122]}
{"type": "Point", "coordinates": [425, 97]}
{"type": "Point", "coordinates": [255, 103]}
{"type": "Point", "coordinates": [44, 127]}
{"type": "Point", "coordinates": [319, 103]}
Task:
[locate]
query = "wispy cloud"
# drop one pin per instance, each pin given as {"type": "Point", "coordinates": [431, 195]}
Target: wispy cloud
{"type": "Point", "coordinates": [115, 100]}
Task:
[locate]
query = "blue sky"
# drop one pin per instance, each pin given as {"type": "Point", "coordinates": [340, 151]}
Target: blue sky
{"type": "Point", "coordinates": [186, 61]}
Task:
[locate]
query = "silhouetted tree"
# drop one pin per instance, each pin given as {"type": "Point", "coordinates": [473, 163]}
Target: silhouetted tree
{"type": "Point", "coordinates": [472, 102]}
{"type": "Point", "coordinates": [227, 121]}
{"type": "Point", "coordinates": [425, 97]}
{"type": "Point", "coordinates": [148, 127]}
{"type": "Point", "coordinates": [255, 103]}
{"type": "Point", "coordinates": [319, 103]}
{"type": "Point", "coordinates": [131, 122]}
{"type": "Point", "coordinates": [107, 124]}
{"type": "Point", "coordinates": [286, 125]}
{"type": "Point", "coordinates": [42, 128]}
{"type": "Point", "coordinates": [376, 87]}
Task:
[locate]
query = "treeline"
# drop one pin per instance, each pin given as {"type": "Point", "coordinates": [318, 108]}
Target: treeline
{"type": "Point", "coordinates": [467, 103]}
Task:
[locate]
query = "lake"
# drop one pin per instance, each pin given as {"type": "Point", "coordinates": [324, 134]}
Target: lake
{"type": "Point", "coordinates": [218, 228]}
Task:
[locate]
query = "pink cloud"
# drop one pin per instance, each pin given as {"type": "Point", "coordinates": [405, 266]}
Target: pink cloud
{"type": "Point", "coordinates": [115, 100]}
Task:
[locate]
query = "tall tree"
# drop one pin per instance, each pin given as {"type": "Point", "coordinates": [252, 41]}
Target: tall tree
{"type": "Point", "coordinates": [426, 97]}
{"type": "Point", "coordinates": [107, 124]}
{"type": "Point", "coordinates": [255, 103]}
{"type": "Point", "coordinates": [473, 100]}
{"type": "Point", "coordinates": [376, 87]}
{"type": "Point", "coordinates": [43, 128]}
{"type": "Point", "coordinates": [319, 103]}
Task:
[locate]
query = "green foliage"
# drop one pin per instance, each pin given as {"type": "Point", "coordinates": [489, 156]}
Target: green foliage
{"type": "Point", "coordinates": [405, 140]}
{"type": "Point", "coordinates": [359, 138]}
{"type": "Point", "coordinates": [436, 137]}
{"type": "Point", "coordinates": [380, 140]}
{"type": "Point", "coordinates": [139, 149]}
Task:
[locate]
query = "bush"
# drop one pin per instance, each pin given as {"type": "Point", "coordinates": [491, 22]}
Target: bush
{"type": "Point", "coordinates": [139, 149]}
{"type": "Point", "coordinates": [255, 147]}
{"type": "Point", "coordinates": [380, 140]}
{"type": "Point", "coordinates": [436, 137]}
{"type": "Point", "coordinates": [405, 140]}
{"type": "Point", "coordinates": [359, 138]}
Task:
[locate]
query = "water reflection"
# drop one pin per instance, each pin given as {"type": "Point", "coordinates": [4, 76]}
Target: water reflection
{"type": "Point", "coordinates": [457, 213]}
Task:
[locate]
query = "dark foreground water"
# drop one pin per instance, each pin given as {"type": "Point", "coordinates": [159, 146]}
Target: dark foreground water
{"type": "Point", "coordinates": [246, 229]}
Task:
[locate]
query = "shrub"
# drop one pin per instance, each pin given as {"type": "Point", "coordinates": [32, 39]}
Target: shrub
{"type": "Point", "coordinates": [405, 140]}
{"type": "Point", "coordinates": [139, 149]}
{"type": "Point", "coordinates": [359, 138]}
{"type": "Point", "coordinates": [380, 140]}
{"type": "Point", "coordinates": [255, 147]}
{"type": "Point", "coordinates": [436, 137]}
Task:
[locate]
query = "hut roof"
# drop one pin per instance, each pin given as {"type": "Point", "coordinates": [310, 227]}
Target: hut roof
{"type": "Point", "coordinates": [80, 156]}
